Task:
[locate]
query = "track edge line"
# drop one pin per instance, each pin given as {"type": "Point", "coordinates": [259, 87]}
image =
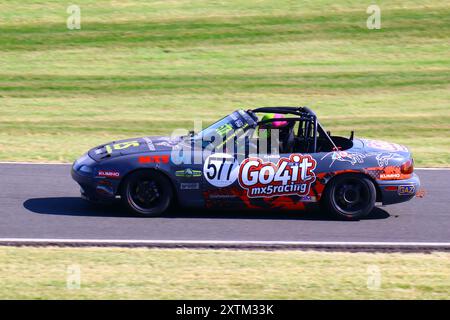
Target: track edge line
{"type": "Point", "coordinates": [412, 247]}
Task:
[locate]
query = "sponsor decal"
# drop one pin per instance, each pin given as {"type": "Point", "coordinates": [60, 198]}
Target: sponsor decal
{"type": "Point", "coordinates": [344, 156]}
{"type": "Point", "coordinates": [389, 146]}
{"type": "Point", "coordinates": [154, 159]}
{"type": "Point", "coordinates": [221, 193]}
{"type": "Point", "coordinates": [388, 173]}
{"type": "Point", "coordinates": [238, 123]}
{"type": "Point", "coordinates": [384, 157]}
{"type": "Point", "coordinates": [290, 176]}
{"type": "Point", "coordinates": [389, 176]}
{"type": "Point", "coordinates": [224, 129]}
{"type": "Point", "coordinates": [242, 113]}
{"type": "Point", "coordinates": [308, 199]}
{"type": "Point", "coordinates": [150, 145]}
{"type": "Point", "coordinates": [165, 144]}
{"type": "Point", "coordinates": [222, 196]}
{"type": "Point", "coordinates": [357, 157]}
{"type": "Point", "coordinates": [188, 173]}
{"type": "Point", "coordinates": [190, 186]}
{"type": "Point", "coordinates": [271, 156]}
{"type": "Point", "coordinates": [109, 174]}
{"type": "Point", "coordinates": [406, 190]}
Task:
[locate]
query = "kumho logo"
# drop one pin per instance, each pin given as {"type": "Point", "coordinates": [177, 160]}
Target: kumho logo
{"type": "Point", "coordinates": [290, 176]}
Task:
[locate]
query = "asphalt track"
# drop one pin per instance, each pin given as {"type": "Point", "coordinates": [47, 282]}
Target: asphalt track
{"type": "Point", "coordinates": [39, 201]}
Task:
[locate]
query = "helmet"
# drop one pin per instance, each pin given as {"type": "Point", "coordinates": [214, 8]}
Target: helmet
{"type": "Point", "coordinates": [273, 124]}
{"type": "Point", "coordinates": [266, 127]}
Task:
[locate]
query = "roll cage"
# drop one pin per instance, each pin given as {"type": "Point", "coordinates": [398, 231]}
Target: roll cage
{"type": "Point", "coordinates": [309, 130]}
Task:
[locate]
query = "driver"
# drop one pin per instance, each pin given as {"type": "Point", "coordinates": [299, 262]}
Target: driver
{"type": "Point", "coordinates": [265, 132]}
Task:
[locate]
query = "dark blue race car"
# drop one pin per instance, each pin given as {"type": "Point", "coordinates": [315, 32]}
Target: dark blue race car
{"type": "Point", "coordinates": [266, 158]}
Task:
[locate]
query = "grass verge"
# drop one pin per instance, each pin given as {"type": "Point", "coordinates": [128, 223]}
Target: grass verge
{"type": "Point", "coordinates": [145, 68]}
{"type": "Point", "coordinates": [113, 273]}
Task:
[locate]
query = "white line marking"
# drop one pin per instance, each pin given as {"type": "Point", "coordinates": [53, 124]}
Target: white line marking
{"type": "Point", "coordinates": [226, 242]}
{"type": "Point", "coordinates": [68, 163]}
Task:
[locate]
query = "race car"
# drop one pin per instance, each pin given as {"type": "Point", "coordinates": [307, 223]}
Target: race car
{"type": "Point", "coordinates": [267, 158]}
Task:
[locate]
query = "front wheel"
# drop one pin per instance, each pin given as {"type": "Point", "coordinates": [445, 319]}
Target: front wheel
{"type": "Point", "coordinates": [147, 193]}
{"type": "Point", "coordinates": [350, 196]}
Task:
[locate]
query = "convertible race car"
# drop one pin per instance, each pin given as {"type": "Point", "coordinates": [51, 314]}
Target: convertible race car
{"type": "Point", "coordinates": [265, 158]}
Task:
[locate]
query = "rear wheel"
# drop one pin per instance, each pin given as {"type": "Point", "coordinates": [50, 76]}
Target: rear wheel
{"type": "Point", "coordinates": [350, 196]}
{"type": "Point", "coordinates": [147, 193]}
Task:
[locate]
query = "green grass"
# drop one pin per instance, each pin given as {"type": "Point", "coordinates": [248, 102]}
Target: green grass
{"type": "Point", "coordinates": [147, 67]}
{"type": "Point", "coordinates": [107, 273]}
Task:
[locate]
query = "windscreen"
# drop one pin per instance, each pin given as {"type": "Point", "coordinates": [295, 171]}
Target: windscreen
{"type": "Point", "coordinates": [230, 126]}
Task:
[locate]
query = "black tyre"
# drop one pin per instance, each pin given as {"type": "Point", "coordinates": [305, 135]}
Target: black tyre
{"type": "Point", "coordinates": [147, 193]}
{"type": "Point", "coordinates": [349, 196]}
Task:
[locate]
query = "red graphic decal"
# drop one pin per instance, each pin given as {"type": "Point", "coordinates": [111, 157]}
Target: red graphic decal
{"type": "Point", "coordinates": [109, 174]}
{"type": "Point", "coordinates": [290, 176]}
{"type": "Point", "coordinates": [154, 159]}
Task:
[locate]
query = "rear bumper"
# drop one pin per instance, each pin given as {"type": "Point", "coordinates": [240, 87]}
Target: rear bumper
{"type": "Point", "coordinates": [396, 191]}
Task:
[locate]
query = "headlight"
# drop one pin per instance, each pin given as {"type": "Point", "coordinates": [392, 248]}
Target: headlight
{"type": "Point", "coordinates": [81, 159]}
{"type": "Point", "coordinates": [84, 164]}
{"type": "Point", "coordinates": [85, 169]}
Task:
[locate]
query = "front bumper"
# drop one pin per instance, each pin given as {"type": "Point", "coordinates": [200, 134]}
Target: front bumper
{"type": "Point", "coordinates": [397, 191]}
{"type": "Point", "coordinates": [92, 188]}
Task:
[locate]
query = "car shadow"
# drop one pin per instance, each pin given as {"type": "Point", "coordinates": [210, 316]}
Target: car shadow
{"type": "Point", "coordinates": [75, 206]}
